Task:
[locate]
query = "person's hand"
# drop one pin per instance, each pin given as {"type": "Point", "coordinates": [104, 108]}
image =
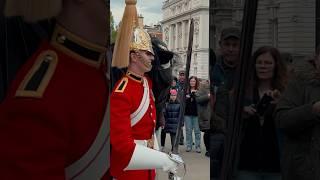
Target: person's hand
{"type": "Point", "coordinates": [275, 94]}
{"type": "Point", "coordinates": [188, 96]}
{"type": "Point", "coordinates": [269, 93]}
{"type": "Point", "coordinates": [316, 107]}
{"type": "Point", "coordinates": [249, 110]}
{"type": "Point", "coordinates": [209, 95]}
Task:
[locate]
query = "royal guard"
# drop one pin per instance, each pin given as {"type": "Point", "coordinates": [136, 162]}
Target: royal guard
{"type": "Point", "coordinates": [54, 121]}
{"type": "Point", "coordinates": [134, 150]}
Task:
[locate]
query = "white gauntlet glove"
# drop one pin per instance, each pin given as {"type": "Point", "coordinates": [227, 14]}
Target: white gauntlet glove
{"type": "Point", "coordinates": [146, 158]}
{"type": "Point", "coordinates": [175, 161]}
{"type": "Point", "coordinates": [170, 166]}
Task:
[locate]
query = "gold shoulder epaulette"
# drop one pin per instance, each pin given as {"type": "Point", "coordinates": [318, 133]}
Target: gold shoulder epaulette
{"type": "Point", "coordinates": [122, 85]}
{"type": "Point", "coordinates": [39, 76]}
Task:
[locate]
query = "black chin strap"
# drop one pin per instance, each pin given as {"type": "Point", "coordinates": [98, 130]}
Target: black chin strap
{"type": "Point", "coordinates": [18, 42]}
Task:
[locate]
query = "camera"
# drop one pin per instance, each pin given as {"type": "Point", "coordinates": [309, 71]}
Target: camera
{"type": "Point", "coordinates": [263, 104]}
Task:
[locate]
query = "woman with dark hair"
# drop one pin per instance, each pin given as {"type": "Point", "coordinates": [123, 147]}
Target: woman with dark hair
{"type": "Point", "coordinates": [297, 113]}
{"type": "Point", "coordinates": [191, 115]}
{"type": "Point", "coordinates": [259, 149]}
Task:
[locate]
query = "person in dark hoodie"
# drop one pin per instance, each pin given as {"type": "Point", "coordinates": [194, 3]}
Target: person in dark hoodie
{"type": "Point", "coordinates": [298, 113]}
{"type": "Point", "coordinates": [171, 115]}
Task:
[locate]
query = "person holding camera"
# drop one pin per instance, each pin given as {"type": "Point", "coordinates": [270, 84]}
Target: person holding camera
{"type": "Point", "coordinates": [297, 113]}
{"type": "Point", "coordinates": [191, 116]}
{"type": "Point", "coordinates": [259, 149]}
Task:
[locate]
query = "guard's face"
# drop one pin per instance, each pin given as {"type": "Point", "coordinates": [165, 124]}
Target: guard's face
{"type": "Point", "coordinates": [144, 60]}
{"type": "Point", "coordinates": [265, 65]}
{"type": "Point", "coordinates": [230, 49]}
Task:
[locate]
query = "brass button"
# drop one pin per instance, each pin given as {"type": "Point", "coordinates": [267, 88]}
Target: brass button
{"type": "Point", "coordinates": [48, 58]}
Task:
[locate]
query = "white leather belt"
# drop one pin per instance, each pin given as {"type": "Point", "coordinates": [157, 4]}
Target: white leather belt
{"type": "Point", "coordinates": [141, 142]}
{"type": "Point", "coordinates": [145, 142]}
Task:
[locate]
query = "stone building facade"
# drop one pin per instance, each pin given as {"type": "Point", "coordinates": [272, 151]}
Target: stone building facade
{"type": "Point", "coordinates": [176, 25]}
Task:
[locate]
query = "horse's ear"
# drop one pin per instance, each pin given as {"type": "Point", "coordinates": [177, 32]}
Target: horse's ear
{"type": "Point", "coordinates": [161, 51]}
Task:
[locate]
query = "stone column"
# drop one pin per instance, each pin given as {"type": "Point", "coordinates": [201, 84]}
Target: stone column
{"type": "Point", "coordinates": [182, 34]}
{"type": "Point", "coordinates": [177, 34]}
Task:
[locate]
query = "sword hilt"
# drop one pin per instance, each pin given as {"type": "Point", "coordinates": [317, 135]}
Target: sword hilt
{"type": "Point", "coordinates": [176, 158]}
{"type": "Point", "coordinates": [173, 177]}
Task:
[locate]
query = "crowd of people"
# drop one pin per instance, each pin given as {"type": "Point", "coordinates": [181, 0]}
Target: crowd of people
{"type": "Point", "coordinates": [278, 136]}
{"type": "Point", "coordinates": [194, 116]}
{"type": "Point", "coordinates": [277, 114]}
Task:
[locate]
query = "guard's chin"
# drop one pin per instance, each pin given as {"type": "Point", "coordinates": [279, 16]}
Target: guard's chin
{"type": "Point", "coordinates": [148, 67]}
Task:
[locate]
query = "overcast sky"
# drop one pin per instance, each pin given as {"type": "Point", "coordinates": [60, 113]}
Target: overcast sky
{"type": "Point", "coordinates": [150, 10]}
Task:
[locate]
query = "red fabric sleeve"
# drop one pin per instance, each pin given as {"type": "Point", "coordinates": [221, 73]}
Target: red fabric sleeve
{"type": "Point", "coordinates": [33, 143]}
{"type": "Point", "coordinates": [122, 142]}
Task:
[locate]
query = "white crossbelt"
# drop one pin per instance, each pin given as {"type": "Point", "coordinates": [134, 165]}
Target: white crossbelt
{"type": "Point", "coordinates": [95, 162]}
{"type": "Point", "coordinates": [137, 115]}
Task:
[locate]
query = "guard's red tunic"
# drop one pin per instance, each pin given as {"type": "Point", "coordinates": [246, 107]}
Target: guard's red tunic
{"type": "Point", "coordinates": [41, 136]}
{"type": "Point", "coordinates": [125, 99]}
